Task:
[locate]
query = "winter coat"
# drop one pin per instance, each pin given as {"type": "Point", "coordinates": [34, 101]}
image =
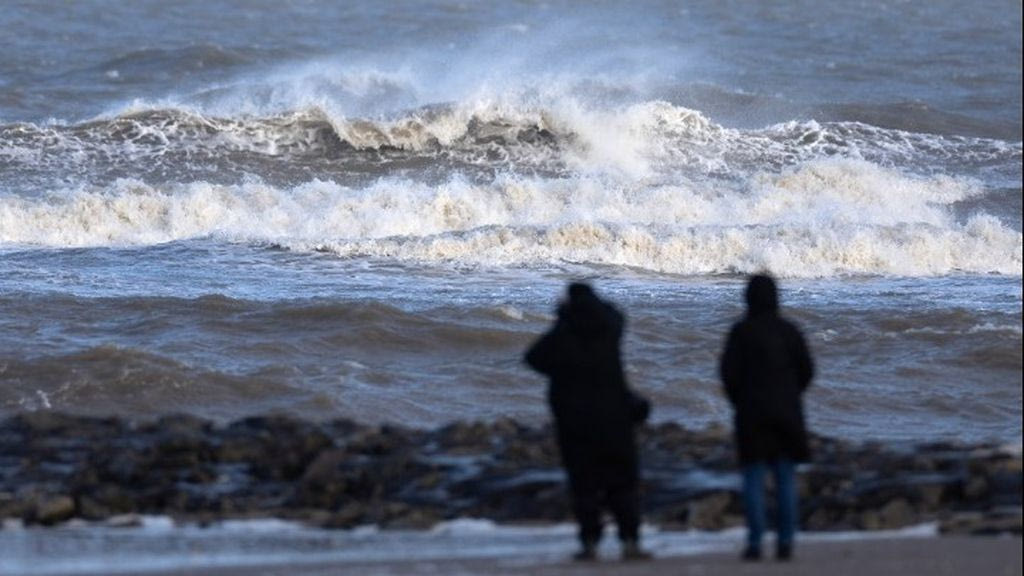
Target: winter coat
{"type": "Point", "coordinates": [594, 410]}
{"type": "Point", "coordinates": [765, 368]}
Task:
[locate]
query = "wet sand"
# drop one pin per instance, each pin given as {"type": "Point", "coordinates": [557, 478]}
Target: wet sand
{"type": "Point", "coordinates": [955, 555]}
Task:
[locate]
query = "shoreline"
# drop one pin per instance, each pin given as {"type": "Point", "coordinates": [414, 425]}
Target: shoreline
{"type": "Point", "coordinates": [469, 548]}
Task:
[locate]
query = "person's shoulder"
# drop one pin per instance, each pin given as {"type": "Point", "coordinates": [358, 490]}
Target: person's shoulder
{"type": "Point", "coordinates": [739, 326]}
{"type": "Point", "coordinates": [790, 325]}
{"type": "Point", "coordinates": [611, 308]}
{"type": "Point", "coordinates": [614, 315]}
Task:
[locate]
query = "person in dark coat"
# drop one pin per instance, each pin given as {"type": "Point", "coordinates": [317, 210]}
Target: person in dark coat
{"type": "Point", "coordinates": [765, 368]}
{"type": "Point", "coordinates": [595, 414]}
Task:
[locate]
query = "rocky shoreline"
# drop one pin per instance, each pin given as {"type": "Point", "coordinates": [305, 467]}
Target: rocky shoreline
{"type": "Point", "coordinates": [55, 467]}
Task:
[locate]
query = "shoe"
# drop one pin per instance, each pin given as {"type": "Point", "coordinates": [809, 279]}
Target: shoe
{"type": "Point", "coordinates": [631, 550]}
{"type": "Point", "coordinates": [586, 554]}
{"type": "Point", "coordinates": [751, 554]}
{"type": "Point", "coordinates": [784, 552]}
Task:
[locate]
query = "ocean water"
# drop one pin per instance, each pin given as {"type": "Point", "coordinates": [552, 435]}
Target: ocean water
{"type": "Point", "coordinates": [369, 209]}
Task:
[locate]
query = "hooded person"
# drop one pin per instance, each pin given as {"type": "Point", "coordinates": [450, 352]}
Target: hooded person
{"type": "Point", "coordinates": [595, 415]}
{"type": "Point", "coordinates": [765, 368]}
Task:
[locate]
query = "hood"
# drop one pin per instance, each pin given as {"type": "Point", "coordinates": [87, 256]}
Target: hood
{"type": "Point", "coordinates": [762, 295]}
{"type": "Point", "coordinates": [587, 315]}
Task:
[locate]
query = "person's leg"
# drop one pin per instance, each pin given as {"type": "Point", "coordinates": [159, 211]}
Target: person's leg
{"type": "Point", "coordinates": [624, 502]}
{"type": "Point", "coordinates": [753, 507]}
{"type": "Point", "coordinates": [586, 506]}
{"type": "Point", "coordinates": [786, 497]}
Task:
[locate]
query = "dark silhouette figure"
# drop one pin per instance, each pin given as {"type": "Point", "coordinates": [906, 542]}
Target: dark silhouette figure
{"type": "Point", "coordinates": [595, 414]}
{"type": "Point", "coordinates": [765, 368]}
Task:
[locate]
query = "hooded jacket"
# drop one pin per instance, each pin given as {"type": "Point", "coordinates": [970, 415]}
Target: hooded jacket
{"type": "Point", "coordinates": [587, 391]}
{"type": "Point", "coordinates": [765, 369]}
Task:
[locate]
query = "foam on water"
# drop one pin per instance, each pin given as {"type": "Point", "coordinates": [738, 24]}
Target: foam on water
{"type": "Point", "coordinates": [632, 139]}
{"type": "Point", "coordinates": [821, 218]}
{"type": "Point", "coordinates": [157, 546]}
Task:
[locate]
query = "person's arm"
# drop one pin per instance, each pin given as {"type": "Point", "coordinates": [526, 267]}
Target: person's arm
{"type": "Point", "coordinates": [804, 362]}
{"type": "Point", "coordinates": [541, 355]}
{"type": "Point", "coordinates": [730, 367]}
{"type": "Point", "coordinates": [617, 320]}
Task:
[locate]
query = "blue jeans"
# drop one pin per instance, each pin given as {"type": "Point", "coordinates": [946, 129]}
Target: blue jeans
{"type": "Point", "coordinates": [753, 500]}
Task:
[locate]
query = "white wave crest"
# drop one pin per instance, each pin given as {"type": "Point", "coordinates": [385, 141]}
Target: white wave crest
{"type": "Point", "coordinates": [819, 219]}
{"type": "Point", "coordinates": [788, 250]}
{"type": "Point", "coordinates": [552, 132]}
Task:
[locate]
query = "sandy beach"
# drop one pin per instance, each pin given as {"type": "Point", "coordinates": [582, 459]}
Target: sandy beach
{"type": "Point", "coordinates": [904, 556]}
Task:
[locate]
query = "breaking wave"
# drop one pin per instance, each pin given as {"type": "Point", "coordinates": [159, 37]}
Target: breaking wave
{"type": "Point", "coordinates": [653, 139]}
{"type": "Point", "coordinates": [819, 218]}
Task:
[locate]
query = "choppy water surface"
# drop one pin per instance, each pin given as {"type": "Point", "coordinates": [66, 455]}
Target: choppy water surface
{"type": "Point", "coordinates": [369, 210]}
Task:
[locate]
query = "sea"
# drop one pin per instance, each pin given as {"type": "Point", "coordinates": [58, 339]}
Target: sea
{"type": "Point", "coordinates": [369, 210]}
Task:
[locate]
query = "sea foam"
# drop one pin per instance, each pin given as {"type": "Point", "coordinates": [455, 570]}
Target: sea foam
{"type": "Point", "coordinates": [821, 218]}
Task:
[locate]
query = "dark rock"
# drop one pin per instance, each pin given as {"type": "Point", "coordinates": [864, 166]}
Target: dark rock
{"type": "Point", "coordinates": [324, 482]}
{"type": "Point", "coordinates": [1006, 483]}
{"type": "Point", "coordinates": [342, 474]}
{"type": "Point", "coordinates": [709, 512]}
{"type": "Point", "coordinates": [823, 518]}
{"type": "Point", "coordinates": [413, 519]}
{"type": "Point", "coordinates": [465, 438]}
{"type": "Point", "coordinates": [977, 488]}
{"type": "Point", "coordinates": [896, 513]}
{"type": "Point", "coordinates": [53, 509]}
{"type": "Point", "coordinates": [106, 500]}
{"type": "Point", "coordinates": [13, 506]}
{"type": "Point", "coordinates": [981, 524]}
{"type": "Point", "coordinates": [324, 468]}
{"type": "Point", "coordinates": [930, 496]}
{"type": "Point", "coordinates": [349, 516]}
